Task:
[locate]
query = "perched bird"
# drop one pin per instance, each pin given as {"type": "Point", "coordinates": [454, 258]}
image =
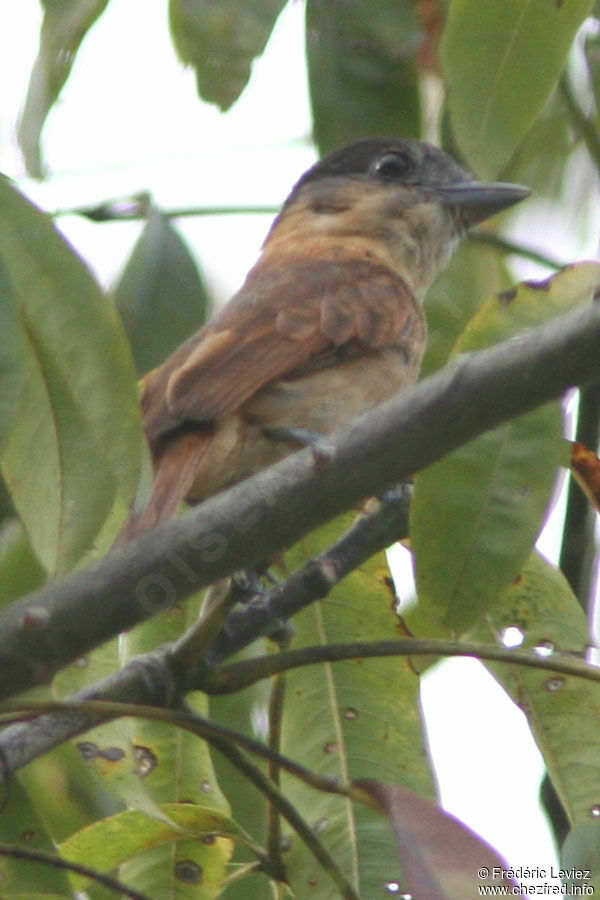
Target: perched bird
{"type": "Point", "coordinates": [327, 324]}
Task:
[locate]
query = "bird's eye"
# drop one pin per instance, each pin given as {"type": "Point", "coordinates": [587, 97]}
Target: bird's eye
{"type": "Point", "coordinates": [393, 165]}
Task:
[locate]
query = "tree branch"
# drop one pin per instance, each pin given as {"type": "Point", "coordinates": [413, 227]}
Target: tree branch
{"type": "Point", "coordinates": [230, 679]}
{"type": "Point", "coordinates": [50, 859]}
{"type": "Point", "coordinates": [259, 517]}
{"type": "Point", "coordinates": [313, 581]}
{"type": "Point", "coordinates": [161, 677]}
{"type": "Point", "coordinates": [133, 692]}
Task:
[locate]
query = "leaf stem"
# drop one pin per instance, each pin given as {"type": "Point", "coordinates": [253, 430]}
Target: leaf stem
{"type": "Point", "coordinates": [508, 246]}
{"type": "Point", "coordinates": [583, 124]}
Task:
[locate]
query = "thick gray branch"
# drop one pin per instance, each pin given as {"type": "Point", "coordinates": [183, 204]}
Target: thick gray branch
{"type": "Point", "coordinates": [50, 628]}
{"type": "Point", "coordinates": [157, 679]}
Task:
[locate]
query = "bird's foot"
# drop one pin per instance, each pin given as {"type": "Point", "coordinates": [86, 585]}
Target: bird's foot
{"type": "Point", "coordinates": [250, 582]}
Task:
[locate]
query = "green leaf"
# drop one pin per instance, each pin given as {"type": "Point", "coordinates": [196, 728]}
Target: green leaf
{"type": "Point", "coordinates": [352, 719]}
{"type": "Point", "coordinates": [473, 272]}
{"type": "Point", "coordinates": [591, 50]}
{"type": "Point", "coordinates": [562, 711]}
{"type": "Point", "coordinates": [160, 294]}
{"type": "Point", "coordinates": [20, 571]}
{"type": "Point", "coordinates": [65, 25]}
{"type": "Point", "coordinates": [501, 61]}
{"type": "Point", "coordinates": [67, 795]}
{"type": "Point", "coordinates": [237, 712]}
{"type": "Point", "coordinates": [11, 353]}
{"type": "Point", "coordinates": [542, 158]}
{"type": "Point", "coordinates": [220, 40]}
{"type": "Point", "coordinates": [477, 512]}
{"type": "Point", "coordinates": [581, 851]}
{"type": "Point", "coordinates": [76, 445]}
{"type": "Point", "coordinates": [476, 516]}
{"type": "Point", "coordinates": [362, 73]}
{"type": "Point", "coordinates": [22, 825]}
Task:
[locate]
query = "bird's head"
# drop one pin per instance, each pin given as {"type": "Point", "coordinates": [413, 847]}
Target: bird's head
{"type": "Point", "coordinates": [406, 197]}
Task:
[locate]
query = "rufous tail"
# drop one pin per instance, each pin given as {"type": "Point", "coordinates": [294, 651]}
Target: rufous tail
{"type": "Point", "coordinates": [176, 470]}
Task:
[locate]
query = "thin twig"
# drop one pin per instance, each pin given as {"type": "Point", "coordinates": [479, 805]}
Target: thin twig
{"type": "Point", "coordinates": [276, 706]}
{"type": "Point", "coordinates": [132, 208]}
{"type": "Point", "coordinates": [290, 814]}
{"type": "Point", "coordinates": [491, 239]}
{"type": "Point", "coordinates": [57, 862]}
{"type": "Point", "coordinates": [229, 679]}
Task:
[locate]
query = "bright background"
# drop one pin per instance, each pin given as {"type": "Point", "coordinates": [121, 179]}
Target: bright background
{"type": "Point", "coordinates": [129, 120]}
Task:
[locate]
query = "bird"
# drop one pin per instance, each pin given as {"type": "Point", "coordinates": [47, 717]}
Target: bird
{"type": "Point", "coordinates": [328, 323]}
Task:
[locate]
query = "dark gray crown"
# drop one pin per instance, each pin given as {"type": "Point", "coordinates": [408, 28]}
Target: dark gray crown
{"type": "Point", "coordinates": [399, 160]}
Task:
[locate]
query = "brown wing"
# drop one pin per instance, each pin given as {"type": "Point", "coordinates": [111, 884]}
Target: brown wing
{"type": "Point", "coordinates": [278, 322]}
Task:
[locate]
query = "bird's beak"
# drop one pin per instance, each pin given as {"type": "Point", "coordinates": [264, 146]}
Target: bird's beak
{"type": "Point", "coordinates": [477, 200]}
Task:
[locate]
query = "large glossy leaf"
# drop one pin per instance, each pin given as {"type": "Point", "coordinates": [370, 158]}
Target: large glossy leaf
{"type": "Point", "coordinates": [160, 294]}
{"type": "Point", "coordinates": [355, 719]}
{"type": "Point", "coordinates": [76, 444]}
{"type": "Point", "coordinates": [563, 712]}
{"type": "Point", "coordinates": [362, 73]}
{"type": "Point", "coordinates": [65, 24]}
{"type": "Point", "coordinates": [477, 512]}
{"type": "Point", "coordinates": [220, 39]}
{"type": "Point", "coordinates": [501, 61]}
